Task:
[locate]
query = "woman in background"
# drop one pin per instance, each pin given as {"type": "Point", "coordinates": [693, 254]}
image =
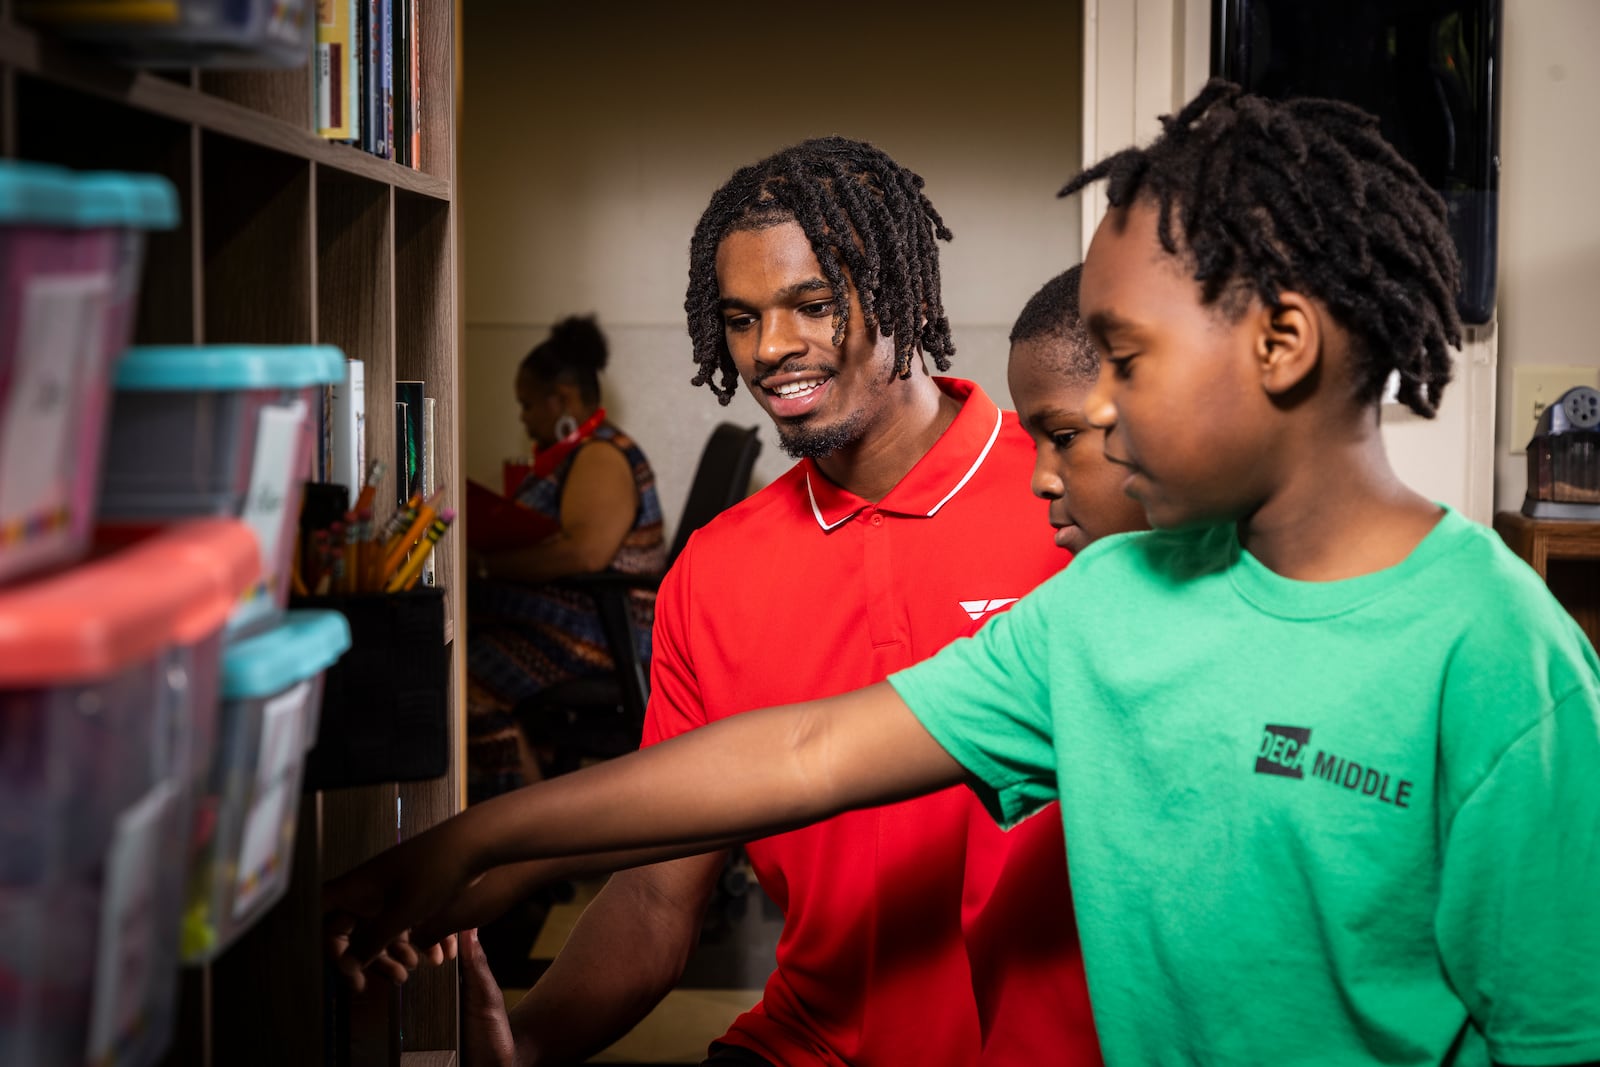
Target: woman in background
{"type": "Point", "coordinates": [525, 631]}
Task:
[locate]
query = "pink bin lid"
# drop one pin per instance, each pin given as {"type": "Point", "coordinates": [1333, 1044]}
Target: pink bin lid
{"type": "Point", "coordinates": [225, 551]}
{"type": "Point", "coordinates": [109, 614]}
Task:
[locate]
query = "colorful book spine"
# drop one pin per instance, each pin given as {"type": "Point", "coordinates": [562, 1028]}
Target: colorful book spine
{"type": "Point", "coordinates": [332, 65]}
{"type": "Point", "coordinates": [372, 133]}
{"type": "Point", "coordinates": [348, 437]}
{"type": "Point", "coordinates": [386, 97]}
{"type": "Point", "coordinates": [408, 469]}
{"type": "Point", "coordinates": [415, 122]}
{"type": "Point", "coordinates": [352, 80]}
{"type": "Point", "coordinates": [430, 481]}
{"type": "Point", "coordinates": [401, 81]}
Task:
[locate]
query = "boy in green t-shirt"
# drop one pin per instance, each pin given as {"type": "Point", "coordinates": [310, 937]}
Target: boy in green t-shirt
{"type": "Point", "coordinates": [1326, 753]}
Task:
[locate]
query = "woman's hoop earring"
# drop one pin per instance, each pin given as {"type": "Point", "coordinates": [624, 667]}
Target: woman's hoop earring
{"type": "Point", "coordinates": [566, 426]}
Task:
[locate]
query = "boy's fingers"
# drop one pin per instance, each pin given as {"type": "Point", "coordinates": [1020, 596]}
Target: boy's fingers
{"type": "Point", "coordinates": [351, 969]}
{"type": "Point", "coordinates": [391, 969]}
{"type": "Point", "coordinates": [369, 939]}
{"type": "Point", "coordinates": [403, 952]}
{"type": "Point", "coordinates": [486, 1030]}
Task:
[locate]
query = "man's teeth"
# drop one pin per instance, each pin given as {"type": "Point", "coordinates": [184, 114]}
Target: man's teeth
{"type": "Point", "coordinates": [797, 388]}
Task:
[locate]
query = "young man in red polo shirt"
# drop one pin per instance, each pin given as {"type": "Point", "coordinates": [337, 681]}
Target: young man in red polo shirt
{"type": "Point", "coordinates": [908, 936]}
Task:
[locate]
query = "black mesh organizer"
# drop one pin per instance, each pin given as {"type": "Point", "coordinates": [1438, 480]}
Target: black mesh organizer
{"type": "Point", "coordinates": [385, 704]}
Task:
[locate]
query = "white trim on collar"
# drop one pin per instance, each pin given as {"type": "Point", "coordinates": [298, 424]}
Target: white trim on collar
{"type": "Point", "coordinates": [816, 511]}
{"type": "Point", "coordinates": [994, 434]}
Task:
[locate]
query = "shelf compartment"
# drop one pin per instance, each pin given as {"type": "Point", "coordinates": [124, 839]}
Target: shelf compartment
{"type": "Point", "coordinates": [50, 129]}
{"type": "Point", "coordinates": [425, 333]}
{"type": "Point", "coordinates": [355, 298]}
{"type": "Point", "coordinates": [256, 234]}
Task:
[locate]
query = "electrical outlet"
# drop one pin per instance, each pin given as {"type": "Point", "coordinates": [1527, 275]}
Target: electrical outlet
{"type": "Point", "coordinates": [1534, 388]}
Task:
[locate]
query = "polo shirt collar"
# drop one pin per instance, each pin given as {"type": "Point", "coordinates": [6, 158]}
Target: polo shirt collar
{"type": "Point", "coordinates": [937, 477]}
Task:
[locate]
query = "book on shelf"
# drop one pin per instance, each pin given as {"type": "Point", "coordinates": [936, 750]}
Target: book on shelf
{"type": "Point", "coordinates": [402, 454]}
{"type": "Point", "coordinates": [347, 429]}
{"type": "Point", "coordinates": [386, 77]}
{"type": "Point", "coordinates": [372, 131]}
{"type": "Point", "coordinates": [400, 81]}
{"type": "Point", "coordinates": [359, 130]}
{"type": "Point", "coordinates": [331, 64]}
{"type": "Point", "coordinates": [430, 468]}
{"type": "Point", "coordinates": [414, 121]}
{"type": "Point", "coordinates": [408, 463]}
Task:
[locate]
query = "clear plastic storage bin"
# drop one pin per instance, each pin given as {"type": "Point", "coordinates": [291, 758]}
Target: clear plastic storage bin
{"type": "Point", "coordinates": [71, 247]}
{"type": "Point", "coordinates": [218, 430]}
{"type": "Point", "coordinates": [185, 33]}
{"type": "Point", "coordinates": [245, 818]}
{"type": "Point", "coordinates": [104, 670]}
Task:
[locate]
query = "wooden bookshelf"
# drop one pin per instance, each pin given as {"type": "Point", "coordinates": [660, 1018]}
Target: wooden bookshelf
{"type": "Point", "coordinates": [1566, 554]}
{"type": "Point", "coordinates": [287, 238]}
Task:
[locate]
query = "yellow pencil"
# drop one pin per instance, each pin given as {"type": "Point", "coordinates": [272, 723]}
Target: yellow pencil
{"type": "Point", "coordinates": [407, 576]}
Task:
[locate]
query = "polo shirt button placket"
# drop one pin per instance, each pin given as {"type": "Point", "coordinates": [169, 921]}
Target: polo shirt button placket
{"type": "Point", "coordinates": [885, 603]}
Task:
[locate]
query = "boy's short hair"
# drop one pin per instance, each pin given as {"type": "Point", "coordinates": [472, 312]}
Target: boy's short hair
{"type": "Point", "coordinates": [1052, 314]}
{"type": "Point", "coordinates": [863, 213]}
{"type": "Point", "coordinates": [1305, 195]}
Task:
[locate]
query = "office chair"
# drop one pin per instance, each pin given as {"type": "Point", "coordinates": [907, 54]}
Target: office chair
{"type": "Point", "coordinates": [602, 717]}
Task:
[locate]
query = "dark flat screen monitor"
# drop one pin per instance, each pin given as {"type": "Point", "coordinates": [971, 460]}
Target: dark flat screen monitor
{"type": "Point", "coordinates": [1430, 71]}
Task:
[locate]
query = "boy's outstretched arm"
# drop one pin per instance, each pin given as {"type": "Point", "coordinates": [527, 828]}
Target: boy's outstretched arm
{"type": "Point", "coordinates": [746, 776]}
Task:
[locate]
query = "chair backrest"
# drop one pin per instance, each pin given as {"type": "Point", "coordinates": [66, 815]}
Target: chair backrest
{"type": "Point", "coordinates": [720, 481]}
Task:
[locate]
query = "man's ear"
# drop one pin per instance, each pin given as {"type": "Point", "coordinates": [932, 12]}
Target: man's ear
{"type": "Point", "coordinates": [1288, 342]}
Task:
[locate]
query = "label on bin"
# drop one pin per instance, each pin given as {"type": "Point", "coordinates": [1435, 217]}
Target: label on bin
{"type": "Point", "coordinates": [57, 360]}
{"type": "Point", "coordinates": [260, 853]}
{"type": "Point", "coordinates": [272, 478]}
{"type": "Point", "coordinates": [126, 955]}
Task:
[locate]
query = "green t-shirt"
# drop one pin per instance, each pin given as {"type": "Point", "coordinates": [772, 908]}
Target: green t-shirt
{"type": "Point", "coordinates": [1339, 822]}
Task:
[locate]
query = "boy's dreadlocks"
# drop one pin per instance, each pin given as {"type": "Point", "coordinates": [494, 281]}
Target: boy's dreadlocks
{"type": "Point", "coordinates": [863, 213]}
{"type": "Point", "coordinates": [1306, 195]}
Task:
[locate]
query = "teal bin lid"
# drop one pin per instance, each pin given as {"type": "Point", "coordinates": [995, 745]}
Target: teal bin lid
{"type": "Point", "coordinates": [54, 196]}
{"type": "Point", "coordinates": [202, 368]}
{"type": "Point", "coordinates": [132, 201]}
{"type": "Point", "coordinates": [37, 194]}
{"type": "Point", "coordinates": [301, 646]}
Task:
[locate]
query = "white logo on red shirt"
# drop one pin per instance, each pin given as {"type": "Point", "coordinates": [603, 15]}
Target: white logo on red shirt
{"type": "Point", "coordinates": [977, 609]}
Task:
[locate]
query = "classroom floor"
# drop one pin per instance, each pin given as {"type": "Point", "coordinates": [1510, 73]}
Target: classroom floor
{"type": "Point", "coordinates": [723, 979]}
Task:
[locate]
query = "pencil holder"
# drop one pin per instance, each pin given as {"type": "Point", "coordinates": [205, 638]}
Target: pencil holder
{"type": "Point", "coordinates": [385, 705]}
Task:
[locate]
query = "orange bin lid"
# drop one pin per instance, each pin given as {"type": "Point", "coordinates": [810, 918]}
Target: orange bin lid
{"type": "Point", "coordinates": [104, 616]}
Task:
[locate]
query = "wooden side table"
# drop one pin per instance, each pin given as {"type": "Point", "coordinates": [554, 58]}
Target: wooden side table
{"type": "Point", "coordinates": [1566, 555]}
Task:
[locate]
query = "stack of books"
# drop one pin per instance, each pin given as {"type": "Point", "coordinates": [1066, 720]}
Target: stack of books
{"type": "Point", "coordinates": [365, 71]}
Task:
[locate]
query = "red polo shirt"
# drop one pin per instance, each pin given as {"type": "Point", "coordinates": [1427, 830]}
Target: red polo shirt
{"type": "Point", "coordinates": [916, 933]}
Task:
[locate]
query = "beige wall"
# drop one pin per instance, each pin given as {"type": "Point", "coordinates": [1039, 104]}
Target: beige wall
{"type": "Point", "coordinates": [1549, 210]}
{"type": "Point", "coordinates": [591, 142]}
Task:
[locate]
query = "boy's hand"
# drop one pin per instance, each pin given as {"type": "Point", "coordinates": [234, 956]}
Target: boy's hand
{"type": "Point", "coordinates": [486, 1030]}
{"type": "Point", "coordinates": [367, 912]}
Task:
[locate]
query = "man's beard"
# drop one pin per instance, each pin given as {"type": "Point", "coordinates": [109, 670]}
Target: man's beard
{"type": "Point", "coordinates": [807, 442]}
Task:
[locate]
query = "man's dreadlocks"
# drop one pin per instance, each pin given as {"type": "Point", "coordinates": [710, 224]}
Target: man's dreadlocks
{"type": "Point", "coordinates": [863, 214]}
{"type": "Point", "coordinates": [1305, 195]}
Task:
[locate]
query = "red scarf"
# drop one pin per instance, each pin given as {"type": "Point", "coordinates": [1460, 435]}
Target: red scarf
{"type": "Point", "coordinates": [546, 460]}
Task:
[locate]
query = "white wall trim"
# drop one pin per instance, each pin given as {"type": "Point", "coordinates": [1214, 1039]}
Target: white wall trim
{"type": "Point", "coordinates": [1141, 60]}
